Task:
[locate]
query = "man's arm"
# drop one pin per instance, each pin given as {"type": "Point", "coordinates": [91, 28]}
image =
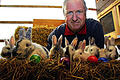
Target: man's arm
{"type": "Point", "coordinates": [99, 35]}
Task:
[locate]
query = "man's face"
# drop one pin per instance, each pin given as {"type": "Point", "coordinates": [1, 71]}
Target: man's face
{"type": "Point", "coordinates": [75, 14]}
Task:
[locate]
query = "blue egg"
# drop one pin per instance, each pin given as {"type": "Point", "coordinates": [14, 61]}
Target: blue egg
{"type": "Point", "coordinates": [103, 59]}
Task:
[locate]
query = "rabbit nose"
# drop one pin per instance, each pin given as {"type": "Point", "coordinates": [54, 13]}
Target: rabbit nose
{"type": "Point", "coordinates": [19, 54]}
{"type": "Point", "coordinates": [76, 59]}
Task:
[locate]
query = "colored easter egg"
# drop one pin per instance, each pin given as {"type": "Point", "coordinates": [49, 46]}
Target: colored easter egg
{"type": "Point", "coordinates": [103, 59]}
{"type": "Point", "coordinates": [65, 61]}
{"type": "Point", "coordinates": [92, 59]}
{"type": "Point", "coordinates": [35, 58]}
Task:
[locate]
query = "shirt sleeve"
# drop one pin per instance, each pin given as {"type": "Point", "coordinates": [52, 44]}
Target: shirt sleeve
{"type": "Point", "coordinates": [49, 40]}
{"type": "Point", "coordinates": [99, 35]}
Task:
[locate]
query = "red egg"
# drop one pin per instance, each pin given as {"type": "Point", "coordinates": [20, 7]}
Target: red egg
{"type": "Point", "coordinates": [92, 59]}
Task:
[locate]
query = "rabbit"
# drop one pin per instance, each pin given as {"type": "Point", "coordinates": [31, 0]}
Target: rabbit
{"type": "Point", "coordinates": [25, 48]}
{"type": "Point", "coordinates": [57, 50]}
{"type": "Point", "coordinates": [80, 55]}
{"type": "Point", "coordinates": [70, 48]}
{"type": "Point", "coordinates": [111, 50]}
{"type": "Point", "coordinates": [8, 48]}
{"type": "Point", "coordinates": [103, 51]}
{"type": "Point", "coordinates": [92, 48]}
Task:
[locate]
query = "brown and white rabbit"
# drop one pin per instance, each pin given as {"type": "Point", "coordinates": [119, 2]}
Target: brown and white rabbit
{"type": "Point", "coordinates": [57, 50]}
{"type": "Point", "coordinates": [80, 55]}
{"type": "Point", "coordinates": [70, 48]}
{"type": "Point", "coordinates": [8, 48]}
{"type": "Point", "coordinates": [111, 50]}
{"type": "Point", "coordinates": [25, 48]}
{"type": "Point", "coordinates": [92, 48]}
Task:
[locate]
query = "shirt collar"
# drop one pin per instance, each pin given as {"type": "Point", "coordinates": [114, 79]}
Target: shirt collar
{"type": "Point", "coordinates": [69, 32]}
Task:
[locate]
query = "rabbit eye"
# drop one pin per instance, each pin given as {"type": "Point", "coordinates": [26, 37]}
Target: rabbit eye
{"type": "Point", "coordinates": [80, 53]}
{"type": "Point", "coordinates": [110, 50]}
{"type": "Point", "coordinates": [27, 45]}
{"type": "Point", "coordinates": [91, 50]}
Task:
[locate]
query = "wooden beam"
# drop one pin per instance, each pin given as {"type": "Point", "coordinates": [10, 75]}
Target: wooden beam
{"type": "Point", "coordinates": [31, 6]}
{"type": "Point", "coordinates": [93, 9]}
{"type": "Point", "coordinates": [1, 40]}
{"type": "Point", "coordinates": [17, 22]}
{"type": "Point", "coordinates": [38, 6]}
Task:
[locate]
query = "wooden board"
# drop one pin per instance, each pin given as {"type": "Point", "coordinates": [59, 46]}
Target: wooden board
{"type": "Point", "coordinates": [48, 22]}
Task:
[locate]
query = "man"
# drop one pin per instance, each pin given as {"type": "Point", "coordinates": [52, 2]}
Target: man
{"type": "Point", "coordinates": [76, 25]}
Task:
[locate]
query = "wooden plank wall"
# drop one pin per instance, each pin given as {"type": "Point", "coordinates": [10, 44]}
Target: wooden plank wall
{"type": "Point", "coordinates": [102, 4]}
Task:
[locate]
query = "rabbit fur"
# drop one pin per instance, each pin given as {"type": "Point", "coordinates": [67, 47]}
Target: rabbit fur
{"type": "Point", "coordinates": [70, 48]}
{"type": "Point", "coordinates": [92, 48]}
{"type": "Point", "coordinates": [111, 50]}
{"type": "Point", "coordinates": [25, 48]}
{"type": "Point", "coordinates": [80, 55]}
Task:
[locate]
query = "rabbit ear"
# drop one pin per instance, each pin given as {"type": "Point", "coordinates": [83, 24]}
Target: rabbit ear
{"type": "Point", "coordinates": [80, 45]}
{"type": "Point", "coordinates": [112, 41]}
{"type": "Point", "coordinates": [83, 45]}
{"type": "Point", "coordinates": [22, 33]}
{"type": "Point", "coordinates": [92, 41]}
{"type": "Point", "coordinates": [66, 42]}
{"type": "Point", "coordinates": [12, 42]}
{"type": "Point", "coordinates": [106, 38]}
{"type": "Point", "coordinates": [60, 40]}
{"type": "Point", "coordinates": [108, 43]}
{"type": "Point", "coordinates": [54, 40]}
{"type": "Point", "coordinates": [29, 33]}
{"type": "Point", "coordinates": [89, 41]}
{"type": "Point", "coordinates": [6, 42]}
{"type": "Point", "coordinates": [74, 42]}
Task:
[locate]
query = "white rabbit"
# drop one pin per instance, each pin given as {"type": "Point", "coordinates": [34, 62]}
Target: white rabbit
{"type": "Point", "coordinates": [57, 50]}
{"type": "Point", "coordinates": [92, 48]}
{"type": "Point", "coordinates": [25, 48]}
{"type": "Point", "coordinates": [7, 49]}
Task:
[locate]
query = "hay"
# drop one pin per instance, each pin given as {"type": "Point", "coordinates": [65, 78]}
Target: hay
{"type": "Point", "coordinates": [49, 70]}
{"type": "Point", "coordinates": [39, 34]}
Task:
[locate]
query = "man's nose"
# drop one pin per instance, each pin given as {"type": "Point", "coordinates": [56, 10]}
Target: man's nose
{"type": "Point", "coordinates": [74, 17]}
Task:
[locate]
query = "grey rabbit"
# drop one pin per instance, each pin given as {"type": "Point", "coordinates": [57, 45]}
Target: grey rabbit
{"type": "Point", "coordinates": [57, 51]}
{"type": "Point", "coordinates": [25, 48]}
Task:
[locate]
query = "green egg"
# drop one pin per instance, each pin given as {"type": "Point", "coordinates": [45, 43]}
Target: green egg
{"type": "Point", "coordinates": [35, 58]}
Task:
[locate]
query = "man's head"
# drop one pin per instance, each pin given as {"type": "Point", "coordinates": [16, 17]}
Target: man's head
{"type": "Point", "coordinates": [75, 14]}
